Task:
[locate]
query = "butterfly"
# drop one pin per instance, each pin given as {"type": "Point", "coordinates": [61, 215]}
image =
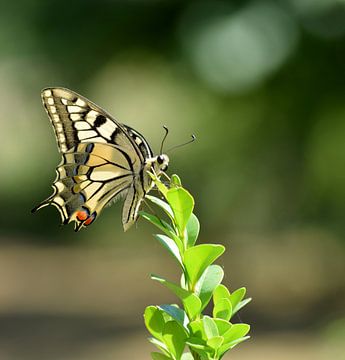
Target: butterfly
{"type": "Point", "coordinates": [102, 161]}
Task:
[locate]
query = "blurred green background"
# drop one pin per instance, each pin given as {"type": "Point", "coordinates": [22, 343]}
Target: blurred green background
{"type": "Point", "coordinates": [262, 85]}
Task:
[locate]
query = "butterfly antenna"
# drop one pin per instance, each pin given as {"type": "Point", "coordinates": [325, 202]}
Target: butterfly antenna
{"type": "Point", "coordinates": [164, 137]}
{"type": "Point", "coordinates": [186, 143]}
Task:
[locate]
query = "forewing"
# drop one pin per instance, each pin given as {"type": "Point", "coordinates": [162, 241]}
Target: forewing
{"type": "Point", "coordinates": [78, 120]}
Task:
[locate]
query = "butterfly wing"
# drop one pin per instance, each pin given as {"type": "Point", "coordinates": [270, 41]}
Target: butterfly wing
{"type": "Point", "coordinates": [76, 119]}
{"type": "Point", "coordinates": [102, 159]}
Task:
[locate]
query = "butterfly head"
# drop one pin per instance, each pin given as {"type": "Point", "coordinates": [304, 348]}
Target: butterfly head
{"type": "Point", "coordinates": [160, 163]}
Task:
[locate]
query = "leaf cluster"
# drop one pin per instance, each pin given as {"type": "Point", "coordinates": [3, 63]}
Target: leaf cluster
{"type": "Point", "coordinates": [175, 328]}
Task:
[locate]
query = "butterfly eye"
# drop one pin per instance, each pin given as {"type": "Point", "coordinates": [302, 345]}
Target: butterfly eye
{"type": "Point", "coordinates": [160, 159]}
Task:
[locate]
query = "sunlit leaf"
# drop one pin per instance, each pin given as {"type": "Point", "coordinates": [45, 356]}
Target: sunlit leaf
{"type": "Point", "coordinates": [177, 314]}
{"type": "Point", "coordinates": [198, 258]}
{"type": "Point", "coordinates": [154, 321]}
{"type": "Point", "coordinates": [182, 204]}
{"type": "Point", "coordinates": [210, 279]}
{"type": "Point", "coordinates": [210, 327]}
{"type": "Point", "coordinates": [237, 296]}
{"type": "Point", "coordinates": [215, 342]}
{"type": "Point", "coordinates": [235, 332]}
{"type": "Point", "coordinates": [162, 204]}
{"type": "Point", "coordinates": [193, 228]}
{"type": "Point", "coordinates": [159, 344]}
{"type": "Point", "coordinates": [175, 180]}
{"type": "Point", "coordinates": [220, 292]}
{"type": "Point", "coordinates": [174, 337]}
{"type": "Point", "coordinates": [191, 302]}
{"type": "Point", "coordinates": [222, 309]}
{"type": "Point", "coordinates": [240, 305]}
{"type": "Point", "coordinates": [171, 246]}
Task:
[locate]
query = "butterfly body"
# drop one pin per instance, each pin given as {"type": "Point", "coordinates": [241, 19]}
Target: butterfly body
{"type": "Point", "coordinates": [102, 160]}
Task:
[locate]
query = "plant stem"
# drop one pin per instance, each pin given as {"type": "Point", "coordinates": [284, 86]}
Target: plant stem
{"type": "Point", "coordinates": [196, 356]}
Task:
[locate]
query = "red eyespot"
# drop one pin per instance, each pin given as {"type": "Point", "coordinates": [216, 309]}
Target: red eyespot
{"type": "Point", "coordinates": [89, 220]}
{"type": "Point", "coordinates": [82, 215]}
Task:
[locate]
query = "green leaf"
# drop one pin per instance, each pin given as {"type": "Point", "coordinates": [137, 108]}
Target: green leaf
{"type": "Point", "coordinates": [241, 304]}
{"type": "Point", "coordinates": [210, 279]}
{"type": "Point", "coordinates": [198, 258]}
{"type": "Point", "coordinates": [220, 292]}
{"type": "Point", "coordinates": [175, 180]}
{"type": "Point", "coordinates": [237, 296]}
{"type": "Point", "coordinates": [222, 325]}
{"type": "Point", "coordinates": [196, 343]}
{"type": "Point", "coordinates": [216, 342]}
{"type": "Point", "coordinates": [190, 301]}
{"type": "Point", "coordinates": [174, 338]}
{"type": "Point", "coordinates": [171, 246]}
{"type": "Point", "coordinates": [187, 356]}
{"type": "Point", "coordinates": [235, 332]}
{"type": "Point", "coordinates": [159, 344]}
{"type": "Point", "coordinates": [182, 204]}
{"type": "Point", "coordinates": [161, 224]}
{"type": "Point", "coordinates": [222, 309]}
{"type": "Point", "coordinates": [192, 305]}
{"type": "Point", "coordinates": [154, 321]}
{"type": "Point", "coordinates": [161, 187]}
{"type": "Point", "coordinates": [210, 327]}
{"type": "Point", "coordinates": [177, 314]}
{"type": "Point", "coordinates": [159, 356]}
{"type": "Point", "coordinates": [162, 204]}
{"type": "Point", "coordinates": [196, 327]}
{"type": "Point", "coordinates": [224, 348]}
{"type": "Point", "coordinates": [193, 228]}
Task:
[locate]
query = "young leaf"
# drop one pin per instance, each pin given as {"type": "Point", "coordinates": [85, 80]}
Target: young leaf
{"type": "Point", "coordinates": [198, 258]}
{"type": "Point", "coordinates": [196, 343]}
{"type": "Point", "coordinates": [160, 345]}
{"type": "Point", "coordinates": [235, 332]}
{"type": "Point", "coordinates": [216, 342]}
{"type": "Point", "coordinates": [154, 321]}
{"type": "Point", "coordinates": [237, 296]}
{"type": "Point", "coordinates": [210, 279]}
{"type": "Point", "coordinates": [161, 187]}
{"type": "Point", "coordinates": [161, 224]}
{"type": "Point", "coordinates": [190, 301]}
{"type": "Point", "coordinates": [210, 327]}
{"type": "Point", "coordinates": [220, 292]}
{"type": "Point", "coordinates": [200, 347]}
{"type": "Point", "coordinates": [177, 314]}
{"type": "Point", "coordinates": [224, 348]}
{"type": "Point", "coordinates": [197, 330]}
{"type": "Point", "coordinates": [171, 246]}
{"type": "Point", "coordinates": [174, 338]}
{"type": "Point", "coordinates": [175, 180]}
{"type": "Point", "coordinates": [241, 304]}
{"type": "Point", "coordinates": [182, 204]}
{"type": "Point", "coordinates": [193, 228]}
{"type": "Point", "coordinates": [222, 309]}
{"type": "Point", "coordinates": [162, 204]}
{"type": "Point", "coordinates": [159, 356]}
{"type": "Point", "coordinates": [222, 325]}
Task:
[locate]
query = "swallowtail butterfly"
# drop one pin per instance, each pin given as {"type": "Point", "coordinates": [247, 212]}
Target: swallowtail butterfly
{"type": "Point", "coordinates": [102, 160]}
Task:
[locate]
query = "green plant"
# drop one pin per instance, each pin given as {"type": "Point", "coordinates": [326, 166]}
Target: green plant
{"type": "Point", "coordinates": [173, 328]}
